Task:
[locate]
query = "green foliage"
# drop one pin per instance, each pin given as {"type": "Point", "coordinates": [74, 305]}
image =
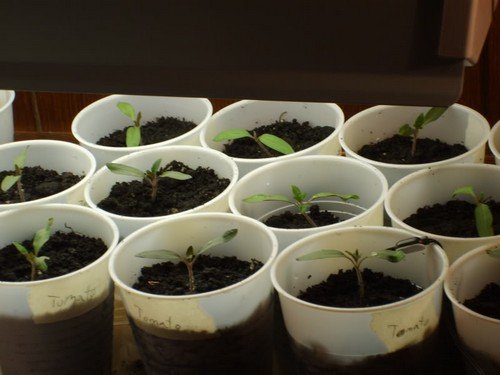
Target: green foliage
{"type": "Point", "coordinates": [191, 254]}
{"type": "Point", "coordinates": [356, 260]}
{"type": "Point", "coordinates": [151, 176]}
{"type": "Point", "coordinates": [482, 213]}
{"type": "Point", "coordinates": [299, 200]}
{"type": "Point", "coordinates": [37, 262]}
{"type": "Point", "coordinates": [11, 180]}
{"type": "Point", "coordinates": [422, 120]}
{"type": "Point", "coordinates": [133, 134]}
{"type": "Point", "coordinates": [273, 142]}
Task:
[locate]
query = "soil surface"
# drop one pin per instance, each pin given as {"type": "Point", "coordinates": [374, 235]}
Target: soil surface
{"type": "Point", "coordinates": [79, 346]}
{"type": "Point", "coordinates": [210, 273]}
{"type": "Point", "coordinates": [455, 218]}
{"type": "Point", "coordinates": [341, 290]}
{"type": "Point", "coordinates": [397, 150]}
{"type": "Point", "coordinates": [487, 302]}
{"type": "Point", "coordinates": [134, 198]}
{"type": "Point", "coordinates": [290, 220]}
{"type": "Point", "coordinates": [68, 252]}
{"type": "Point", "coordinates": [246, 348]}
{"type": "Point", "coordinates": [299, 135]}
{"type": "Point", "coordinates": [38, 183]}
{"type": "Point", "coordinates": [158, 130]}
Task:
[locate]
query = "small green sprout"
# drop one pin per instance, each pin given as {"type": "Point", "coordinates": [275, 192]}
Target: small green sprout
{"type": "Point", "coordinates": [150, 176]}
{"type": "Point", "coordinates": [191, 254]}
{"type": "Point", "coordinates": [356, 259]}
{"type": "Point", "coordinates": [37, 263]}
{"type": "Point", "coordinates": [482, 213]}
{"type": "Point", "coordinates": [423, 119]}
{"type": "Point", "coordinates": [133, 136]}
{"type": "Point", "coordinates": [273, 142]}
{"type": "Point", "coordinates": [11, 180]}
{"type": "Point", "coordinates": [299, 200]}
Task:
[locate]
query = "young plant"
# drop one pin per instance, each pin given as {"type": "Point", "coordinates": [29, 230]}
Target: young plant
{"type": "Point", "coordinates": [422, 120]}
{"type": "Point", "coordinates": [482, 213]}
{"type": "Point", "coordinates": [299, 200]}
{"type": "Point", "coordinates": [133, 135]}
{"type": "Point", "coordinates": [191, 254]}
{"type": "Point", "coordinates": [151, 176]}
{"type": "Point", "coordinates": [37, 262]}
{"type": "Point", "coordinates": [273, 142]}
{"type": "Point", "coordinates": [11, 180]}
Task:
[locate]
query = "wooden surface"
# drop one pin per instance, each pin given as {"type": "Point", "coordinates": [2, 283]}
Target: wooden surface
{"type": "Point", "coordinates": [56, 110]}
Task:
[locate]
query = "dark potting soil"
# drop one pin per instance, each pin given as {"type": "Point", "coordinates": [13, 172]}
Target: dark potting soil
{"type": "Point", "coordinates": [290, 220]}
{"type": "Point", "coordinates": [38, 183]}
{"type": "Point", "coordinates": [341, 290]}
{"type": "Point", "coordinates": [68, 252]}
{"type": "Point", "coordinates": [134, 198]}
{"type": "Point", "coordinates": [246, 348]}
{"type": "Point", "coordinates": [80, 345]}
{"type": "Point", "coordinates": [158, 130]}
{"type": "Point", "coordinates": [455, 218]}
{"type": "Point", "coordinates": [299, 135]}
{"type": "Point", "coordinates": [397, 150]}
{"type": "Point", "coordinates": [210, 273]}
{"type": "Point", "coordinates": [487, 302]}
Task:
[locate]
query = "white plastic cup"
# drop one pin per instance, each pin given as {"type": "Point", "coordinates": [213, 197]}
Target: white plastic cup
{"type": "Point", "coordinates": [494, 142]}
{"type": "Point", "coordinates": [465, 280]}
{"type": "Point", "coordinates": [207, 313]}
{"type": "Point", "coordinates": [314, 174]}
{"type": "Point", "coordinates": [101, 183]}
{"type": "Point", "coordinates": [6, 116]}
{"type": "Point", "coordinates": [249, 114]}
{"type": "Point", "coordinates": [436, 185]}
{"type": "Point", "coordinates": [344, 336]}
{"type": "Point", "coordinates": [59, 308]}
{"type": "Point", "coordinates": [102, 117]}
{"type": "Point", "coordinates": [55, 155]}
{"type": "Point", "coordinates": [459, 124]}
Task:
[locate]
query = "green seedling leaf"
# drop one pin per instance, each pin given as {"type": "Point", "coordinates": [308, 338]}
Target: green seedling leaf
{"type": "Point", "coordinates": [406, 130]}
{"type": "Point", "coordinates": [21, 248]}
{"type": "Point", "coordinates": [127, 109]}
{"type": "Point", "coordinates": [393, 256]}
{"type": "Point", "coordinates": [227, 236]}
{"type": "Point", "coordinates": [419, 121]}
{"type": "Point", "coordinates": [40, 263]}
{"type": "Point", "coordinates": [298, 194]}
{"type": "Point", "coordinates": [156, 166]}
{"type": "Point", "coordinates": [344, 197]}
{"type": "Point", "coordinates": [125, 170]}
{"type": "Point", "coordinates": [264, 197]}
{"type": "Point", "coordinates": [230, 134]}
{"type": "Point", "coordinates": [322, 254]}
{"type": "Point", "coordinates": [484, 220]}
{"type": "Point", "coordinates": [175, 175]}
{"type": "Point", "coordinates": [133, 137]}
{"type": "Point", "coordinates": [464, 190]}
{"type": "Point", "coordinates": [494, 252]}
{"type": "Point", "coordinates": [8, 182]}
{"type": "Point", "coordinates": [276, 143]}
{"type": "Point", "coordinates": [20, 159]}
{"type": "Point", "coordinates": [42, 236]}
{"type": "Point", "coordinates": [159, 254]}
{"type": "Point", "coordinates": [434, 113]}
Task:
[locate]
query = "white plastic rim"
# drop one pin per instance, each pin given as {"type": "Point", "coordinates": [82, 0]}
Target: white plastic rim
{"type": "Point", "coordinates": [65, 296]}
{"type": "Point", "coordinates": [101, 183]}
{"type": "Point", "coordinates": [6, 116]}
{"type": "Point", "coordinates": [466, 278]}
{"type": "Point", "coordinates": [436, 185]}
{"type": "Point", "coordinates": [55, 155]}
{"type": "Point", "coordinates": [459, 124]}
{"type": "Point", "coordinates": [202, 312]}
{"type": "Point", "coordinates": [249, 114]}
{"type": "Point", "coordinates": [102, 118]}
{"type": "Point", "coordinates": [314, 174]}
{"type": "Point", "coordinates": [494, 142]}
{"type": "Point", "coordinates": [346, 335]}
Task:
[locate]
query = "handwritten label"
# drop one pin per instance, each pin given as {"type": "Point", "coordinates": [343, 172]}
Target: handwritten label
{"type": "Point", "coordinates": [165, 323]}
{"type": "Point", "coordinates": [406, 325]}
{"type": "Point", "coordinates": [64, 302]}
